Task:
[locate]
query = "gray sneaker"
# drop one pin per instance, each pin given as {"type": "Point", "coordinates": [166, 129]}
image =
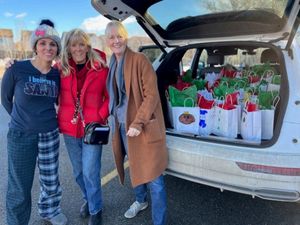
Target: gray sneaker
{"type": "Point", "coordinates": [135, 208]}
{"type": "Point", "coordinates": [59, 219]}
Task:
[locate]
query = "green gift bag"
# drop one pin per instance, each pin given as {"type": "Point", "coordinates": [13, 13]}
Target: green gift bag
{"type": "Point", "coordinates": [276, 79]}
{"type": "Point", "coordinates": [222, 90]}
{"type": "Point", "coordinates": [200, 84]}
{"type": "Point", "coordinates": [187, 77]}
{"type": "Point", "coordinates": [178, 97]}
{"type": "Point", "coordinates": [266, 98]}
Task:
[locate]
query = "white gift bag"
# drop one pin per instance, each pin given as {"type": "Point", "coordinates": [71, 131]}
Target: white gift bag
{"type": "Point", "coordinates": [239, 117]}
{"type": "Point", "coordinates": [274, 86]}
{"type": "Point", "coordinates": [170, 113]}
{"type": "Point", "coordinates": [170, 110]}
{"type": "Point", "coordinates": [267, 123]}
{"type": "Point", "coordinates": [186, 119]}
{"type": "Point", "coordinates": [251, 125]}
{"type": "Point", "coordinates": [268, 75]}
{"type": "Point", "coordinates": [226, 122]}
{"type": "Point", "coordinates": [267, 120]}
{"type": "Point", "coordinates": [238, 105]}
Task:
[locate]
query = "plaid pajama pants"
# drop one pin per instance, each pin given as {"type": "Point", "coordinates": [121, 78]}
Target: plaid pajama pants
{"type": "Point", "coordinates": [23, 152]}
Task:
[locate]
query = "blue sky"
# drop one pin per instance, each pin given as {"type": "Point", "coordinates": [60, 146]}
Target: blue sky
{"type": "Point", "coordinates": [66, 15]}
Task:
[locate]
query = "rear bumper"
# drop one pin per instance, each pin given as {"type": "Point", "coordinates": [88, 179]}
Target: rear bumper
{"type": "Point", "coordinates": [264, 193]}
{"type": "Point", "coordinates": [218, 166]}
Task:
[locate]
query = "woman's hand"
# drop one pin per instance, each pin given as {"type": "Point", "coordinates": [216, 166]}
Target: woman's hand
{"type": "Point", "coordinates": [9, 63]}
{"type": "Point", "coordinates": [133, 132]}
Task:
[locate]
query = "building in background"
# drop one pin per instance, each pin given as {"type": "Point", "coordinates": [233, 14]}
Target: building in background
{"type": "Point", "coordinates": [22, 48]}
{"type": "Point", "coordinates": [7, 45]}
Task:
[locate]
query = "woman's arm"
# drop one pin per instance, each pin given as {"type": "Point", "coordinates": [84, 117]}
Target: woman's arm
{"type": "Point", "coordinates": [7, 90]}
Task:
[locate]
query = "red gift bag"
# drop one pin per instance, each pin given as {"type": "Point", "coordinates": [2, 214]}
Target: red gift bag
{"type": "Point", "coordinates": [228, 73]}
{"type": "Point", "coordinates": [205, 103]}
{"type": "Point", "coordinates": [251, 107]}
{"type": "Point", "coordinates": [180, 85]}
{"type": "Point", "coordinates": [232, 98]}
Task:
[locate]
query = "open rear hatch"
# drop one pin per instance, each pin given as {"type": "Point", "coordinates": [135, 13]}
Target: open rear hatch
{"type": "Point", "coordinates": [230, 48]}
{"type": "Point", "coordinates": [194, 21]}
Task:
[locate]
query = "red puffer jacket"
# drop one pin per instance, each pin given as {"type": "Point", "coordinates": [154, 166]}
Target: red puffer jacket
{"type": "Point", "coordinates": [94, 100]}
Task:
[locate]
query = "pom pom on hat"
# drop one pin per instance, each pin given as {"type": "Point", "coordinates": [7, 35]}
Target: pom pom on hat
{"type": "Point", "coordinates": [45, 30]}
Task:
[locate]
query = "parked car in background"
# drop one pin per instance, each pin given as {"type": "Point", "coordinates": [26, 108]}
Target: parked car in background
{"type": "Point", "coordinates": [247, 48]}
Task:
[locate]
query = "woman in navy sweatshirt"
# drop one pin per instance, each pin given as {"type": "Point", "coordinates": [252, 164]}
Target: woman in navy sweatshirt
{"type": "Point", "coordinates": [29, 91]}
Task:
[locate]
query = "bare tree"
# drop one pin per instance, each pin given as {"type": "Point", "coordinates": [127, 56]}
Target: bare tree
{"type": "Point", "coordinates": [277, 6]}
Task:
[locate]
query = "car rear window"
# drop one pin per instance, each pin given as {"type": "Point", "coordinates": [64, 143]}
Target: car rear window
{"type": "Point", "coordinates": [206, 7]}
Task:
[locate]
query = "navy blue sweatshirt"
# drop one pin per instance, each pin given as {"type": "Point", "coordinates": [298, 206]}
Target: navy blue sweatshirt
{"type": "Point", "coordinates": [29, 97]}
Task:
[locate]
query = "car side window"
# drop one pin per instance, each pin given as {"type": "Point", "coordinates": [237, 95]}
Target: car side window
{"type": "Point", "coordinates": [187, 59]}
{"type": "Point", "coordinates": [152, 52]}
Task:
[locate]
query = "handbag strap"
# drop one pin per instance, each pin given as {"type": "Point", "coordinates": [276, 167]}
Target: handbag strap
{"type": "Point", "coordinates": [81, 116]}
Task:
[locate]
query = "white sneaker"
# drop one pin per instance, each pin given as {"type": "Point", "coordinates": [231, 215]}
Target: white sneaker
{"type": "Point", "coordinates": [59, 219]}
{"type": "Point", "coordinates": [135, 208]}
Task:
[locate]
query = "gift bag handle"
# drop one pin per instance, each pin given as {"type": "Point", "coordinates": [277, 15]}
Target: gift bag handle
{"type": "Point", "coordinates": [265, 73]}
{"type": "Point", "coordinates": [199, 99]}
{"type": "Point", "coordinates": [230, 95]}
{"type": "Point", "coordinates": [226, 83]}
{"type": "Point", "coordinates": [221, 99]}
{"type": "Point", "coordinates": [242, 81]}
{"type": "Point", "coordinates": [251, 72]}
{"type": "Point", "coordinates": [189, 98]}
{"type": "Point", "coordinates": [276, 101]}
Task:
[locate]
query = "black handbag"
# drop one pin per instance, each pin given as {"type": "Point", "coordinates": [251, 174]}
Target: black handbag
{"type": "Point", "coordinates": [96, 134]}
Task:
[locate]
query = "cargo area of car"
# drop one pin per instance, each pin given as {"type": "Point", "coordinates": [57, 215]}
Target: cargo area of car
{"type": "Point", "coordinates": [224, 92]}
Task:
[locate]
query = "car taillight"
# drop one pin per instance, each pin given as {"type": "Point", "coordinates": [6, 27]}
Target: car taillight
{"type": "Point", "coordinates": [286, 171]}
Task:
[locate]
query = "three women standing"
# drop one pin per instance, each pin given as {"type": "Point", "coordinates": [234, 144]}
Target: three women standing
{"type": "Point", "coordinates": [137, 119]}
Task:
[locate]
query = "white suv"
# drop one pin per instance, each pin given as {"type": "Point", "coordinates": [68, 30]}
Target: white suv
{"type": "Point", "coordinates": [207, 35]}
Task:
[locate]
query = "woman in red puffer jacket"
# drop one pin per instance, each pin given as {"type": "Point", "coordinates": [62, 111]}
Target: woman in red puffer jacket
{"type": "Point", "coordinates": [83, 87]}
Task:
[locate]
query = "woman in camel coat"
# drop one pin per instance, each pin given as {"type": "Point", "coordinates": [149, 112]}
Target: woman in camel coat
{"type": "Point", "coordinates": [137, 123]}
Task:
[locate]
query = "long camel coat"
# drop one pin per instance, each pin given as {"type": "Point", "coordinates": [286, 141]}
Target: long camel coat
{"type": "Point", "coordinates": [147, 153]}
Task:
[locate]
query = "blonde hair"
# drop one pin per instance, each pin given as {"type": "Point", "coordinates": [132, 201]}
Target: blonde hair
{"type": "Point", "coordinates": [77, 35]}
{"type": "Point", "coordinates": [119, 27]}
